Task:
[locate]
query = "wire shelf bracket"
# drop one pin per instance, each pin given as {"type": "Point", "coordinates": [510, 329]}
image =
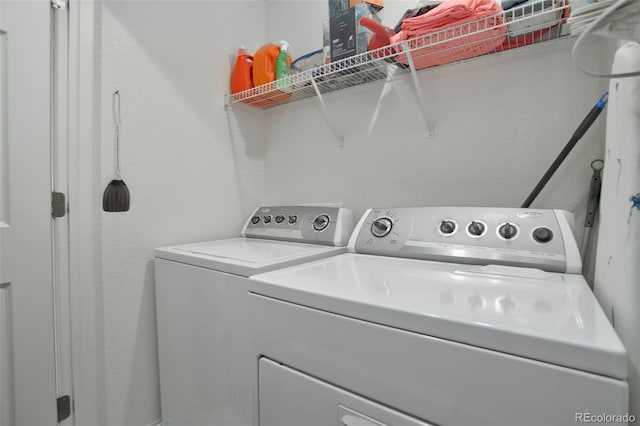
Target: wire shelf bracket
{"type": "Point", "coordinates": [421, 103]}
{"type": "Point", "coordinates": [327, 116]}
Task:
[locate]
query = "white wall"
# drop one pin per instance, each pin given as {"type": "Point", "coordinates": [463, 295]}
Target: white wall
{"type": "Point", "coordinates": [499, 122]}
{"type": "Point", "coordinates": [193, 172]}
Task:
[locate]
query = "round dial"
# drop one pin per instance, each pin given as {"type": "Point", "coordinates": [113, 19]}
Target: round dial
{"type": "Point", "coordinates": [266, 219]}
{"type": "Point", "coordinates": [279, 218]}
{"type": "Point", "coordinates": [508, 231]}
{"type": "Point", "coordinates": [321, 222]}
{"type": "Point", "coordinates": [476, 228]}
{"type": "Point", "coordinates": [255, 220]}
{"type": "Point", "coordinates": [381, 227]}
{"type": "Point", "coordinates": [542, 235]}
{"type": "Point", "coordinates": [293, 219]}
{"type": "Point", "coordinates": [447, 227]}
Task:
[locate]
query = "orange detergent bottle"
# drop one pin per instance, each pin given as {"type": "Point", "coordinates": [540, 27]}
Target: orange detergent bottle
{"type": "Point", "coordinates": [264, 72]}
{"type": "Point", "coordinates": [264, 64]}
{"type": "Point", "coordinates": [241, 77]}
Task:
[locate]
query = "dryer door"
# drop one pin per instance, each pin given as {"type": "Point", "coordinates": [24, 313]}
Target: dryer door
{"type": "Point", "coordinates": [291, 398]}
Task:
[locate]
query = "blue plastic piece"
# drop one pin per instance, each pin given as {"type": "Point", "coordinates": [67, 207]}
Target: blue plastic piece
{"type": "Point", "coordinates": [603, 101]}
{"type": "Point", "coordinates": [635, 200]}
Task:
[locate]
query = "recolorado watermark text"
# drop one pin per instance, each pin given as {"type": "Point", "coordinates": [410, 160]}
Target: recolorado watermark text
{"type": "Point", "coordinates": [605, 418]}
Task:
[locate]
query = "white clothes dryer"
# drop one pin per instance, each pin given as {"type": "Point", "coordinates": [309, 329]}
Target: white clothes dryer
{"type": "Point", "coordinates": [447, 316]}
{"type": "Point", "coordinates": [202, 309]}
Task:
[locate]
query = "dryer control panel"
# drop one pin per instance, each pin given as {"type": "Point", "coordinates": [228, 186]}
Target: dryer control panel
{"type": "Point", "coordinates": [535, 238]}
{"type": "Point", "coordinates": [310, 224]}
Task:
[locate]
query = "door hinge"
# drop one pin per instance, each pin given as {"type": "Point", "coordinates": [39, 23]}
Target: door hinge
{"type": "Point", "coordinates": [59, 4]}
{"type": "Point", "coordinates": [58, 204]}
{"type": "Point", "coordinates": [64, 408]}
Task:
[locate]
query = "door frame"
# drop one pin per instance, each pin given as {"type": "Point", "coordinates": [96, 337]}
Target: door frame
{"type": "Point", "coordinates": [60, 225]}
{"type": "Point", "coordinates": [84, 205]}
{"type": "Point", "coordinates": [6, 357]}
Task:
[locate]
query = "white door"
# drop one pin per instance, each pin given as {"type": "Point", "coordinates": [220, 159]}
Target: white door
{"type": "Point", "coordinates": [26, 261]}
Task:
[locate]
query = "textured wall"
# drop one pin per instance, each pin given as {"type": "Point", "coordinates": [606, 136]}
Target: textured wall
{"type": "Point", "coordinates": [499, 123]}
{"type": "Point", "coordinates": [193, 171]}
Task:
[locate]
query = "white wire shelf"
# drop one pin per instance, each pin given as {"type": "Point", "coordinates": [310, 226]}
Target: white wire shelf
{"type": "Point", "coordinates": [529, 23]}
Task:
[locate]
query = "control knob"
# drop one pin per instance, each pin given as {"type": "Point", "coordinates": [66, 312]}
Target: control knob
{"type": "Point", "coordinates": [266, 219]}
{"type": "Point", "coordinates": [279, 218]}
{"type": "Point", "coordinates": [542, 235]}
{"type": "Point", "coordinates": [255, 220]}
{"type": "Point", "coordinates": [508, 231]}
{"type": "Point", "coordinates": [476, 228]}
{"type": "Point", "coordinates": [321, 222]}
{"type": "Point", "coordinates": [447, 227]}
{"type": "Point", "coordinates": [381, 227]}
{"type": "Point", "coordinates": [293, 219]}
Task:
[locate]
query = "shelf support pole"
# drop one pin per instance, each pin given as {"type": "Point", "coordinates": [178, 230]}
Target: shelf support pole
{"type": "Point", "coordinates": [416, 83]}
{"type": "Point", "coordinates": [327, 117]}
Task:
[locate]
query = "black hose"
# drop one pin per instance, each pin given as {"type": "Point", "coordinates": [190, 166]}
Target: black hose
{"type": "Point", "coordinates": [580, 131]}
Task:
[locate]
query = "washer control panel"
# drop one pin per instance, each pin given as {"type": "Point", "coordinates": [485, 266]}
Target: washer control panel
{"type": "Point", "coordinates": [536, 238]}
{"type": "Point", "coordinates": [311, 224]}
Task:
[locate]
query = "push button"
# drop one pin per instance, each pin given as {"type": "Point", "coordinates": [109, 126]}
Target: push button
{"type": "Point", "coordinates": [542, 235]}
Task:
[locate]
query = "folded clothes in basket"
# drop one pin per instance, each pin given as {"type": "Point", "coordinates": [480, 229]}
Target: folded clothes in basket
{"type": "Point", "coordinates": [412, 13]}
{"type": "Point", "coordinates": [453, 31]}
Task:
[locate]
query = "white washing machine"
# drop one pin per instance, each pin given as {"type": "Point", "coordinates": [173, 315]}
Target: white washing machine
{"type": "Point", "coordinates": [447, 316]}
{"type": "Point", "coordinates": [202, 309]}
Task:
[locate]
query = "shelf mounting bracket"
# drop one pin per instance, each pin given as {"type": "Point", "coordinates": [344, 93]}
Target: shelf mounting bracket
{"type": "Point", "coordinates": [327, 117]}
{"type": "Point", "coordinates": [421, 103]}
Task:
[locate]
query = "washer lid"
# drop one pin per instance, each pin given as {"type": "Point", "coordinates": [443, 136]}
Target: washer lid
{"type": "Point", "coordinates": [246, 256]}
{"type": "Point", "coordinates": [540, 315]}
